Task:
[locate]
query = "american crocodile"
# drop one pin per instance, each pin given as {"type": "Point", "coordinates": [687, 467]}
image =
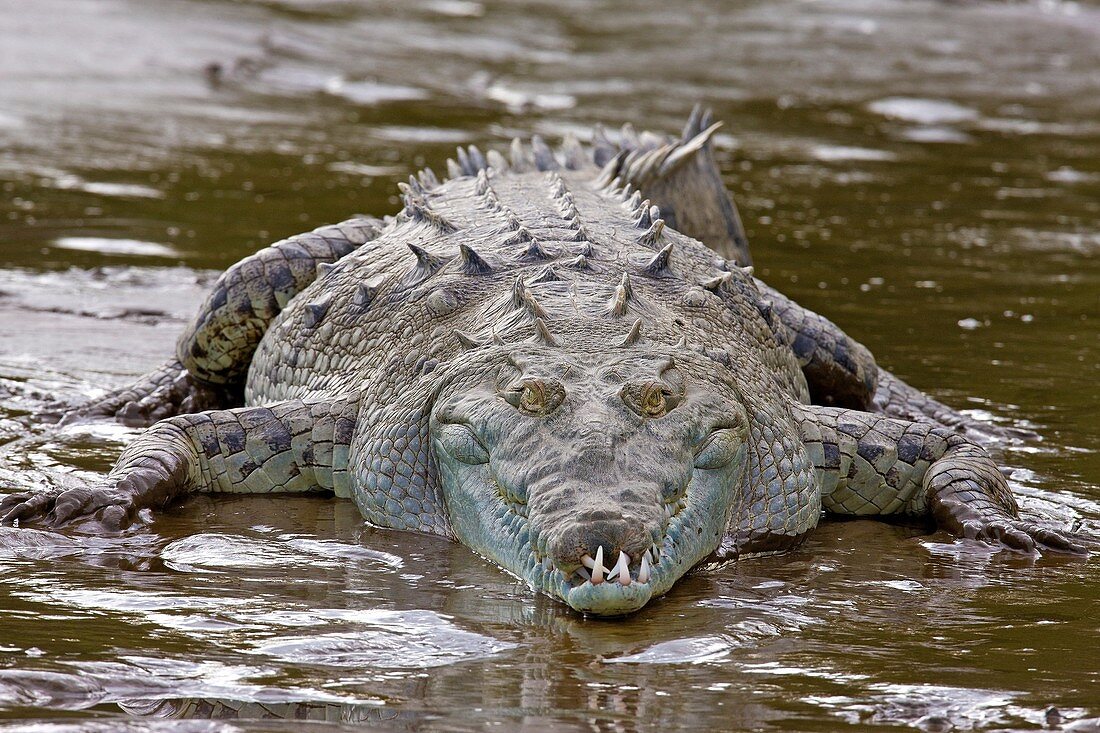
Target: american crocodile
{"type": "Point", "coordinates": [561, 359]}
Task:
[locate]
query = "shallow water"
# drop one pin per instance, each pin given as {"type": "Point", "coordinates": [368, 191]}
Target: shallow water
{"type": "Point", "coordinates": [926, 174]}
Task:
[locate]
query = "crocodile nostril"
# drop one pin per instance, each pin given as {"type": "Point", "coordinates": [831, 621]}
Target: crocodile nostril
{"type": "Point", "coordinates": [604, 515]}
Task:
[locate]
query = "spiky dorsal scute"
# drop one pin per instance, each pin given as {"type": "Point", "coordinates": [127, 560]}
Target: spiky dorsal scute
{"type": "Point", "coordinates": [646, 215]}
{"type": "Point", "coordinates": [524, 299]}
{"type": "Point", "coordinates": [428, 179]}
{"type": "Point", "coordinates": [470, 161]}
{"type": "Point", "coordinates": [418, 209]}
{"type": "Point", "coordinates": [426, 265]}
{"type": "Point", "coordinates": [467, 341]}
{"type": "Point", "coordinates": [640, 159]}
{"type": "Point", "coordinates": [634, 335]}
{"type": "Point", "coordinates": [718, 282]}
{"type": "Point", "coordinates": [535, 251]}
{"type": "Point", "coordinates": [542, 333]}
{"type": "Point", "coordinates": [546, 275]}
{"type": "Point", "coordinates": [557, 185]}
{"type": "Point", "coordinates": [624, 291]}
{"type": "Point", "coordinates": [568, 208]}
{"type": "Point", "coordinates": [574, 153]}
{"type": "Point", "coordinates": [316, 310]}
{"type": "Point", "coordinates": [365, 294]}
{"type": "Point", "coordinates": [652, 236]}
{"type": "Point", "coordinates": [521, 158]}
{"type": "Point", "coordinates": [660, 265]}
{"type": "Point", "coordinates": [544, 156]}
{"type": "Point", "coordinates": [483, 186]}
{"type": "Point", "coordinates": [521, 236]}
{"type": "Point", "coordinates": [634, 202]}
{"type": "Point", "coordinates": [472, 262]}
{"type": "Point", "coordinates": [477, 160]}
{"type": "Point", "coordinates": [603, 150]}
{"type": "Point", "coordinates": [496, 160]}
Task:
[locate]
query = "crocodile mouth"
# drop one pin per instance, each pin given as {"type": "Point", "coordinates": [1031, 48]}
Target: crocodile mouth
{"type": "Point", "coordinates": [623, 588]}
{"type": "Point", "coordinates": [603, 583]}
{"type": "Point", "coordinates": [600, 587]}
{"type": "Point", "coordinates": [608, 584]}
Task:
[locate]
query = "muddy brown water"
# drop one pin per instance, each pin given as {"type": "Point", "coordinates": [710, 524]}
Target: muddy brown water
{"type": "Point", "coordinates": [926, 174]}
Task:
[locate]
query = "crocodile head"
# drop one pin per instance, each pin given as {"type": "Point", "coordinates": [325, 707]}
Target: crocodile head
{"type": "Point", "coordinates": [598, 479]}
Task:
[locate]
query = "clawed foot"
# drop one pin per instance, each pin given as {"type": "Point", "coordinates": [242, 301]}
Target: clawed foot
{"type": "Point", "coordinates": [1021, 536]}
{"type": "Point", "coordinates": [166, 391]}
{"type": "Point", "coordinates": [110, 509]}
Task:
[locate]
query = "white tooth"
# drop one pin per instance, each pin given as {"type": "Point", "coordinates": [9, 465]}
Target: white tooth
{"type": "Point", "coordinates": [643, 572]}
{"type": "Point", "coordinates": [619, 567]}
{"type": "Point", "coordinates": [584, 573]}
{"type": "Point", "coordinates": [587, 561]}
{"type": "Point", "coordinates": [624, 568]}
{"type": "Point", "coordinates": [597, 567]}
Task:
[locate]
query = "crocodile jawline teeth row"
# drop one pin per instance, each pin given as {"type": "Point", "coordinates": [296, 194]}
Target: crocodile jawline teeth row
{"type": "Point", "coordinates": [594, 571]}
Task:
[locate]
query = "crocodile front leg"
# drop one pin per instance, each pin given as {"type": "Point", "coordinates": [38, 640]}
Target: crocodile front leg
{"type": "Point", "coordinates": [868, 464]}
{"type": "Point", "coordinates": [779, 501]}
{"type": "Point", "coordinates": [291, 446]}
{"type": "Point", "coordinates": [214, 353]}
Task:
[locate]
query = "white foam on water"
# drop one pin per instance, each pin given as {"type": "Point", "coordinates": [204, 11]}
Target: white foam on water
{"type": "Point", "coordinates": [108, 246]}
{"type": "Point", "coordinates": [922, 111]}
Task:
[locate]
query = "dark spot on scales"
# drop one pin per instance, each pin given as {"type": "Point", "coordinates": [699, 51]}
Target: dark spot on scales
{"type": "Point", "coordinates": [281, 278]}
{"type": "Point", "coordinates": [855, 430]}
{"type": "Point", "coordinates": [209, 441]}
{"type": "Point", "coordinates": [909, 449]}
{"type": "Point", "coordinates": [870, 452]}
{"type": "Point", "coordinates": [220, 296]}
{"type": "Point", "coordinates": [344, 430]}
{"type": "Point", "coordinates": [247, 468]}
{"type": "Point", "coordinates": [232, 438]}
{"type": "Point", "coordinates": [803, 346]}
{"type": "Point", "coordinates": [277, 437]}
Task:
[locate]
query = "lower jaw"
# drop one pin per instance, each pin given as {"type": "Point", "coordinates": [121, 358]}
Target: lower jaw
{"type": "Point", "coordinates": [609, 598]}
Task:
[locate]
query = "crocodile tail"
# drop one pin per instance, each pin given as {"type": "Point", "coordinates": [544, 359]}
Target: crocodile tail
{"type": "Point", "coordinates": [680, 176]}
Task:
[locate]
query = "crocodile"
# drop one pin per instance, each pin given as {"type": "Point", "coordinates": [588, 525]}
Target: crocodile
{"type": "Point", "coordinates": [559, 357]}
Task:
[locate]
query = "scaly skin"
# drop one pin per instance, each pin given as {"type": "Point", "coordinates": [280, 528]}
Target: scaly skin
{"type": "Point", "coordinates": [529, 361]}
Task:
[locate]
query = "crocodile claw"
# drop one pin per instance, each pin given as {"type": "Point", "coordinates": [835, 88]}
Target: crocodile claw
{"type": "Point", "coordinates": [1022, 536]}
{"type": "Point", "coordinates": [108, 508]}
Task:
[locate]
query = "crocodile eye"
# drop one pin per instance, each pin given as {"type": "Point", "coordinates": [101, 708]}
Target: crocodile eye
{"type": "Point", "coordinates": [719, 449]}
{"type": "Point", "coordinates": [463, 445]}
{"type": "Point", "coordinates": [652, 399]}
{"type": "Point", "coordinates": [535, 396]}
